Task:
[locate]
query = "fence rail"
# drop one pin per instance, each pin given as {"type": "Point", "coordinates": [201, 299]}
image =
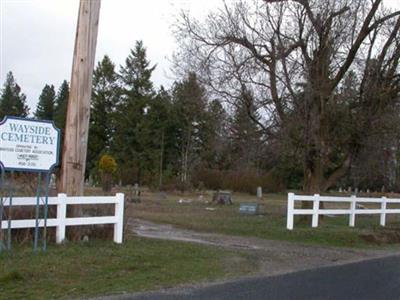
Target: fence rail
{"type": "Point", "coordinates": [352, 211]}
{"type": "Point", "coordinates": [61, 221]}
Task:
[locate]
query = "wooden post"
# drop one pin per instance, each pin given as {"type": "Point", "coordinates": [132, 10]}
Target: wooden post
{"type": "Point", "coordinates": [78, 112]}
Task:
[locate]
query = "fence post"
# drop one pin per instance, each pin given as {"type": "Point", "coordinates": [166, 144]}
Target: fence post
{"type": "Point", "coordinates": [353, 206]}
{"type": "Point", "coordinates": [315, 211]}
{"type": "Point", "coordinates": [383, 213]}
{"type": "Point", "coordinates": [290, 208]}
{"type": "Point", "coordinates": [61, 216]}
{"type": "Point", "coordinates": [119, 214]}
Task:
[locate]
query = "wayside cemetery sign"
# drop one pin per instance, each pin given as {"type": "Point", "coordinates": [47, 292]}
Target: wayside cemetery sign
{"type": "Point", "coordinates": [28, 145]}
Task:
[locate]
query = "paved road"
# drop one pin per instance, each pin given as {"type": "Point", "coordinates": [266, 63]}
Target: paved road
{"type": "Point", "coordinates": [373, 279]}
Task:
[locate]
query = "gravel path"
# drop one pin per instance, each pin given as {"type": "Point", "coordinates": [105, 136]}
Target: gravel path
{"type": "Point", "coordinates": [274, 257]}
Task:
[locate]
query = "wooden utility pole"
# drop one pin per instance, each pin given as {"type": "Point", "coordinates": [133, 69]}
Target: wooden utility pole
{"type": "Point", "coordinates": [78, 112]}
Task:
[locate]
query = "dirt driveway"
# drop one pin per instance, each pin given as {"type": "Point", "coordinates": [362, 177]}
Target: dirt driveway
{"type": "Point", "coordinates": [273, 257]}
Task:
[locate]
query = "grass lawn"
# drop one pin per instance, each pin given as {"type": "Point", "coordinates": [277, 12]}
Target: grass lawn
{"type": "Point", "coordinates": [271, 225]}
{"type": "Point", "coordinates": [101, 267]}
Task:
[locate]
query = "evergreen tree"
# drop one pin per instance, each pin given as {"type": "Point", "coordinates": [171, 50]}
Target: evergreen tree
{"type": "Point", "coordinates": [104, 98]}
{"type": "Point", "coordinates": [45, 106]}
{"type": "Point", "coordinates": [190, 104]}
{"type": "Point", "coordinates": [216, 151]}
{"type": "Point", "coordinates": [132, 133]}
{"type": "Point", "coordinates": [60, 110]}
{"type": "Point", "coordinates": [12, 101]}
{"type": "Point", "coordinates": [160, 144]}
{"type": "Point", "coordinates": [136, 75]}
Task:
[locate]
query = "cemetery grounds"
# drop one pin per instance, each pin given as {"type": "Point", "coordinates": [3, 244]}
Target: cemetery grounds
{"type": "Point", "coordinates": [193, 242]}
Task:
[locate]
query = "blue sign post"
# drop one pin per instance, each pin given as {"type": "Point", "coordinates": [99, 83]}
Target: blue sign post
{"type": "Point", "coordinates": [27, 145]}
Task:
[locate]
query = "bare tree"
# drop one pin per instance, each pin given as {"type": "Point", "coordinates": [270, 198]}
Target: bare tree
{"type": "Point", "coordinates": [295, 57]}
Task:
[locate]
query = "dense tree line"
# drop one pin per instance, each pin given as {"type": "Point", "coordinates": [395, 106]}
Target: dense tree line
{"type": "Point", "coordinates": [176, 138]}
{"type": "Point", "coordinates": [163, 138]}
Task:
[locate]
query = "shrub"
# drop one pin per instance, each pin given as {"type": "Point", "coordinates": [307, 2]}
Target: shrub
{"type": "Point", "coordinates": [107, 167]}
{"type": "Point", "coordinates": [238, 180]}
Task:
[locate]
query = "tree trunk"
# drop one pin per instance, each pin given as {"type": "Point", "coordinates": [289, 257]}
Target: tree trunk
{"type": "Point", "coordinates": [161, 161]}
{"type": "Point", "coordinates": [312, 185]}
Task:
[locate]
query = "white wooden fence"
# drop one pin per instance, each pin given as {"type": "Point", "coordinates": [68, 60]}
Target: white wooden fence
{"type": "Point", "coordinates": [352, 211]}
{"type": "Point", "coordinates": [61, 201]}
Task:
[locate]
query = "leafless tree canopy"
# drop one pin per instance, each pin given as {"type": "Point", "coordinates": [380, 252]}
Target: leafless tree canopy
{"type": "Point", "coordinates": [321, 75]}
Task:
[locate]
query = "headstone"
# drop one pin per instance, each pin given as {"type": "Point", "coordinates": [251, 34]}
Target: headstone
{"type": "Point", "coordinates": [368, 191]}
{"type": "Point", "coordinates": [259, 192]}
{"type": "Point", "coordinates": [349, 189]}
{"type": "Point", "coordinates": [53, 179]}
{"type": "Point", "coordinates": [91, 181]}
{"type": "Point", "coordinates": [248, 208]}
{"type": "Point", "coordinates": [356, 190]}
{"type": "Point", "coordinates": [163, 195]}
{"type": "Point", "coordinates": [184, 201]}
{"type": "Point", "coordinates": [340, 190]}
{"type": "Point", "coordinates": [135, 193]}
{"type": "Point", "coordinates": [222, 197]}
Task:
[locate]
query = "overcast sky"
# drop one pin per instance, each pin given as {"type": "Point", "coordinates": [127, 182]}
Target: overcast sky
{"type": "Point", "coordinates": [37, 36]}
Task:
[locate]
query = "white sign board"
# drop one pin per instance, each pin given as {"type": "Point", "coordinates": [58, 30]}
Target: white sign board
{"type": "Point", "coordinates": [28, 145]}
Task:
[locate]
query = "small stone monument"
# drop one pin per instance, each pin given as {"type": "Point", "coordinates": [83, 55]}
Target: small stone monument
{"type": "Point", "coordinates": [134, 193]}
{"type": "Point", "coordinates": [259, 192]}
{"type": "Point", "coordinates": [251, 208]}
{"type": "Point", "coordinates": [91, 181]}
{"type": "Point", "coordinates": [53, 179]}
{"type": "Point", "coordinates": [222, 197]}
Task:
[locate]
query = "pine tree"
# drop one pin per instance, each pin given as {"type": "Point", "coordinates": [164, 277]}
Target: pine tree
{"type": "Point", "coordinates": [12, 101]}
{"type": "Point", "coordinates": [215, 153]}
{"type": "Point", "coordinates": [136, 75]}
{"type": "Point", "coordinates": [60, 110]}
{"type": "Point", "coordinates": [104, 98]}
{"type": "Point", "coordinates": [45, 106]}
{"type": "Point", "coordinates": [132, 134]}
{"type": "Point", "coordinates": [160, 143]}
{"type": "Point", "coordinates": [190, 114]}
